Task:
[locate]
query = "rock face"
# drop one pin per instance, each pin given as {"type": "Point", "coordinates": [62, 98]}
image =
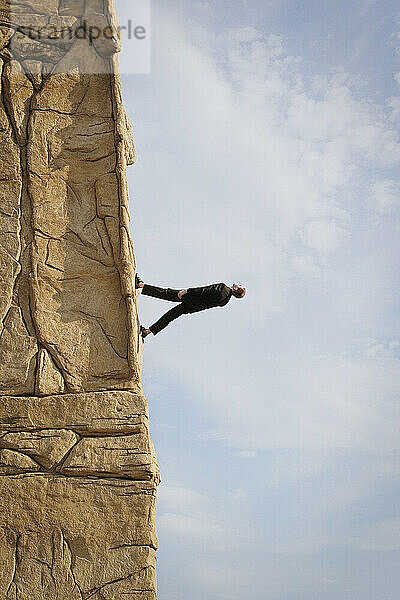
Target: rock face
{"type": "Point", "coordinates": [78, 472]}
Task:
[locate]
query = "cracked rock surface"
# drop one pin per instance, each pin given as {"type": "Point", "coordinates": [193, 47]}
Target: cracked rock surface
{"type": "Point", "coordinates": [78, 471]}
{"type": "Point", "coordinates": [68, 319]}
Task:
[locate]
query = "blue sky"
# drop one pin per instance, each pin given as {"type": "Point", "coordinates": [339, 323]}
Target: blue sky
{"type": "Point", "coordinates": [268, 154]}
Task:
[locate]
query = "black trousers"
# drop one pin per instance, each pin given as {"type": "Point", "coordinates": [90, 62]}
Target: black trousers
{"type": "Point", "coordinates": [165, 294]}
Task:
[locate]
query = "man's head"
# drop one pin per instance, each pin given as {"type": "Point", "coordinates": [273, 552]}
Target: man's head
{"type": "Point", "coordinates": [238, 290]}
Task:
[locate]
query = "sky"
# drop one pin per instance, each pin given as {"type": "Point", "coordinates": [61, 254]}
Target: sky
{"type": "Point", "coordinates": [267, 136]}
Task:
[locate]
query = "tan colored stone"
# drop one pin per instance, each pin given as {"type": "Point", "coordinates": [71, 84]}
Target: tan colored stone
{"type": "Point", "coordinates": [34, 70]}
{"type": "Point", "coordinates": [62, 27]}
{"type": "Point", "coordinates": [17, 355]}
{"type": "Point", "coordinates": [86, 349]}
{"type": "Point", "coordinates": [13, 463]}
{"type": "Point", "coordinates": [17, 346]}
{"type": "Point", "coordinates": [34, 577]}
{"type": "Point", "coordinates": [98, 533]}
{"type": "Point", "coordinates": [126, 456]}
{"type": "Point", "coordinates": [24, 47]}
{"type": "Point", "coordinates": [44, 7]}
{"type": "Point", "coordinates": [127, 134]}
{"type": "Point", "coordinates": [106, 188]}
{"type": "Point", "coordinates": [93, 413]}
{"type": "Point", "coordinates": [5, 36]}
{"type": "Point", "coordinates": [9, 161]}
{"type": "Point", "coordinates": [47, 68]}
{"type": "Point", "coordinates": [18, 93]}
{"type": "Point", "coordinates": [48, 377]}
{"type": "Point", "coordinates": [95, 6]}
{"type": "Point", "coordinates": [21, 20]}
{"type": "Point", "coordinates": [80, 83]}
{"type": "Point", "coordinates": [47, 446]}
{"type": "Point", "coordinates": [9, 264]}
{"type": "Point", "coordinates": [59, 567]}
{"type": "Point", "coordinates": [74, 243]}
{"type": "Point", "coordinates": [10, 193]}
{"type": "Point", "coordinates": [71, 7]}
{"type": "Point", "coordinates": [105, 37]}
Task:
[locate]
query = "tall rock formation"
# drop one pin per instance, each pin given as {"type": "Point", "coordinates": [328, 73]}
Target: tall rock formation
{"type": "Point", "coordinates": [78, 473]}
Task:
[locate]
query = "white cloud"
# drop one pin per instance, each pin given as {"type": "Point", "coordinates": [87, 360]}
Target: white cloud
{"type": "Point", "coordinates": [176, 498]}
{"type": "Point", "coordinates": [288, 164]}
{"type": "Point", "coordinates": [259, 171]}
{"type": "Point", "coordinates": [203, 5]}
{"type": "Point", "coordinates": [385, 196]}
{"type": "Point", "coordinates": [327, 403]}
{"type": "Point", "coordinates": [306, 264]}
{"type": "Point", "coordinates": [394, 105]}
{"type": "Point", "coordinates": [282, 152]}
{"type": "Point", "coordinates": [396, 42]}
{"type": "Point", "coordinates": [322, 235]}
{"type": "Point", "coordinates": [193, 527]}
{"type": "Point", "coordinates": [381, 349]}
{"type": "Point", "coordinates": [185, 512]}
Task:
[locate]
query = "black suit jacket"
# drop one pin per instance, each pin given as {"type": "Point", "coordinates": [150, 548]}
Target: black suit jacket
{"type": "Point", "coordinates": [209, 296]}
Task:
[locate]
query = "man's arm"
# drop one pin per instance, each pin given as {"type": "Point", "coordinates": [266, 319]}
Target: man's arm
{"type": "Point", "coordinates": [199, 292]}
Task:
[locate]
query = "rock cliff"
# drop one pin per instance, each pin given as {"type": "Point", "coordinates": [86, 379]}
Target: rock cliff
{"type": "Point", "coordinates": [78, 472]}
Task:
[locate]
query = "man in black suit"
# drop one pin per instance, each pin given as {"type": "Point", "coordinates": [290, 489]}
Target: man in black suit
{"type": "Point", "coordinates": [188, 301]}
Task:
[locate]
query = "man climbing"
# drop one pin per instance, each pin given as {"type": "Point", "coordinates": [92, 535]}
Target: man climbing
{"type": "Point", "coordinates": [188, 301]}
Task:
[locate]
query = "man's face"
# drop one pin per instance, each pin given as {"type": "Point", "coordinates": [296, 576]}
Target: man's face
{"type": "Point", "coordinates": [236, 287]}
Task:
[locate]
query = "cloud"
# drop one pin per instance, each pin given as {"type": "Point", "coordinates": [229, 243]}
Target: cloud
{"type": "Point", "coordinates": [326, 403]}
{"type": "Point", "coordinates": [394, 106]}
{"type": "Point", "coordinates": [322, 235]}
{"type": "Point", "coordinates": [179, 498]}
{"type": "Point", "coordinates": [286, 154]}
{"type": "Point", "coordinates": [184, 512]}
{"type": "Point", "coordinates": [381, 349]}
{"type": "Point", "coordinates": [259, 170]}
{"type": "Point", "coordinates": [396, 42]}
{"type": "Point", "coordinates": [268, 171]}
{"type": "Point", "coordinates": [306, 265]}
{"type": "Point", "coordinates": [193, 527]}
{"type": "Point", "coordinates": [385, 196]}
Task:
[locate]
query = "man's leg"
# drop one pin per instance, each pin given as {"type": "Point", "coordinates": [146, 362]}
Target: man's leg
{"type": "Point", "coordinates": [166, 319]}
{"type": "Point", "coordinates": [161, 293]}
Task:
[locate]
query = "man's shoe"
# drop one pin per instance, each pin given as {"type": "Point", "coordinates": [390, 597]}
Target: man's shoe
{"type": "Point", "coordinates": [138, 281]}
